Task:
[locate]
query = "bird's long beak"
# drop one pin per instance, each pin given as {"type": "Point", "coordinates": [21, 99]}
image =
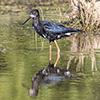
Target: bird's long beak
{"type": "Point", "coordinates": [26, 20]}
{"type": "Point", "coordinates": [31, 16]}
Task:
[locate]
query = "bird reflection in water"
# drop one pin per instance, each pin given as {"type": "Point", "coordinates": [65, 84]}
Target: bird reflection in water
{"type": "Point", "coordinates": [48, 75]}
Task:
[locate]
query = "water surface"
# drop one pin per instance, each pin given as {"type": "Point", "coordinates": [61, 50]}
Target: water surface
{"type": "Point", "coordinates": [23, 53]}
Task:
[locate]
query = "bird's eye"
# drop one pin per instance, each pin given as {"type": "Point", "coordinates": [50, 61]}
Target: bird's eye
{"type": "Point", "coordinates": [34, 13]}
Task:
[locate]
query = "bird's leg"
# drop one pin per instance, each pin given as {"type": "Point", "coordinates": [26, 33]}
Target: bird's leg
{"type": "Point", "coordinates": [50, 53]}
{"type": "Point", "coordinates": [58, 53]}
{"type": "Point", "coordinates": [58, 50]}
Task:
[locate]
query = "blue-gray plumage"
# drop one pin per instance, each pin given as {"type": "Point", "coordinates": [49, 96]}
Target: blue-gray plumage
{"type": "Point", "coordinates": [54, 30]}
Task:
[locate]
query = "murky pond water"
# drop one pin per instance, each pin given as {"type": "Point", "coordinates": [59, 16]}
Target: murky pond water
{"type": "Point", "coordinates": [24, 65]}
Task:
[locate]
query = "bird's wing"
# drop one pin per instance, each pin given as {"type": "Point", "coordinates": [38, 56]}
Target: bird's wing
{"type": "Point", "coordinates": [56, 28]}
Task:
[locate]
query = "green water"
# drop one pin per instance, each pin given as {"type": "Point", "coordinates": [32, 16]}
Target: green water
{"type": "Point", "coordinates": [23, 53]}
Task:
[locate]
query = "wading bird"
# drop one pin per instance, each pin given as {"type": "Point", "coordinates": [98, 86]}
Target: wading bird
{"type": "Point", "coordinates": [50, 30]}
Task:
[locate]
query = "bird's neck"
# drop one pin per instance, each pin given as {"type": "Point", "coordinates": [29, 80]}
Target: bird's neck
{"type": "Point", "coordinates": [36, 22]}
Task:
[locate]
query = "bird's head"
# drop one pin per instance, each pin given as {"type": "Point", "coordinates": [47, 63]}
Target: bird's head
{"type": "Point", "coordinates": [33, 14]}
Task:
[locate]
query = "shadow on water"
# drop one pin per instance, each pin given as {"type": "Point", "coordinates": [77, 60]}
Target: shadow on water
{"type": "Point", "coordinates": [48, 75]}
